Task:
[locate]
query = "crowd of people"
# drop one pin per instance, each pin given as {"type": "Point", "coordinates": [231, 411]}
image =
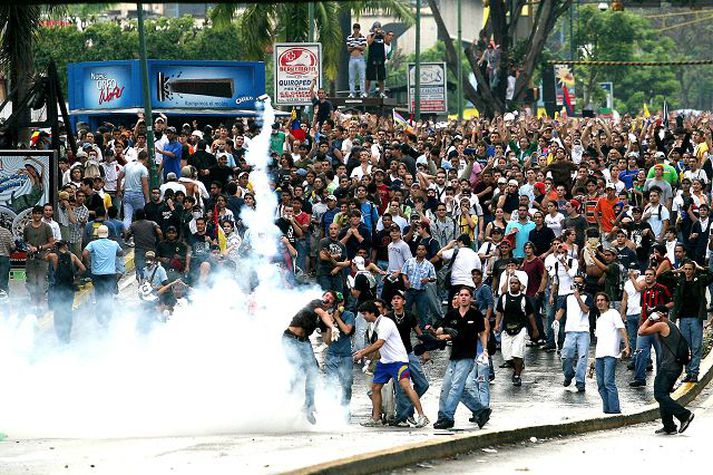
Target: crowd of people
{"type": "Point", "coordinates": [515, 233]}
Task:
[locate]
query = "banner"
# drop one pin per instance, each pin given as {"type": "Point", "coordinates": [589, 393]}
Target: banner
{"type": "Point", "coordinates": [564, 88]}
{"type": "Point", "coordinates": [434, 94]}
{"type": "Point", "coordinates": [113, 85]}
{"type": "Point", "coordinates": [296, 65]}
{"type": "Point", "coordinates": [27, 179]}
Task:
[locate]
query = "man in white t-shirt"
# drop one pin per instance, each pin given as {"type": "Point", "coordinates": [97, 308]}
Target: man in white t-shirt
{"type": "Point", "coordinates": [576, 334]}
{"type": "Point", "coordinates": [561, 270]}
{"type": "Point", "coordinates": [630, 308]}
{"type": "Point", "coordinates": [510, 270]}
{"type": "Point", "coordinates": [393, 363]}
{"type": "Point", "coordinates": [610, 334]}
{"type": "Point", "coordinates": [465, 260]}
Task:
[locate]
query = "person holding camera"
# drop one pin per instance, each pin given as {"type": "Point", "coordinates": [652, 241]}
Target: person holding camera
{"type": "Point", "coordinates": [375, 66]}
{"type": "Point", "coordinates": [671, 344]}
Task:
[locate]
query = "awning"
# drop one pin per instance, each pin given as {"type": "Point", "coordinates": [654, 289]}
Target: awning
{"type": "Point", "coordinates": [174, 112]}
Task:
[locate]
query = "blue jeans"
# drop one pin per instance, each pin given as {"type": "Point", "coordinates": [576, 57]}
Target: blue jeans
{"type": "Point", "coordinates": [383, 265]}
{"type": "Point", "coordinates": [434, 301]}
{"type": "Point", "coordinates": [133, 200]}
{"type": "Point", "coordinates": [692, 331]}
{"type": "Point", "coordinates": [302, 246]}
{"type": "Point", "coordinates": [479, 380]}
{"type": "Point", "coordinates": [455, 390]}
{"type": "Point", "coordinates": [404, 408]}
{"type": "Point", "coordinates": [5, 273]}
{"type": "Point", "coordinates": [606, 382]}
{"type": "Point", "coordinates": [575, 342]}
{"type": "Point", "coordinates": [338, 369]}
{"type": "Point", "coordinates": [331, 282]}
{"type": "Point", "coordinates": [643, 355]}
{"type": "Point", "coordinates": [357, 66]}
{"type": "Point", "coordinates": [632, 327]}
{"type": "Point", "coordinates": [551, 310]}
{"type": "Point", "coordinates": [140, 263]}
{"type": "Point", "coordinates": [304, 365]}
{"type": "Point", "coordinates": [420, 298]}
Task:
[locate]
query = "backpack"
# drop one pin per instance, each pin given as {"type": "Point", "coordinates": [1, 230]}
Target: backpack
{"type": "Point", "coordinates": [682, 355]}
{"type": "Point", "coordinates": [512, 328]}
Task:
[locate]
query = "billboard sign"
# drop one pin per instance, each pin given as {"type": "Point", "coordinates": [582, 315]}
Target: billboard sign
{"type": "Point", "coordinates": [296, 65]}
{"type": "Point", "coordinates": [111, 85]}
{"type": "Point", "coordinates": [434, 94]}
{"type": "Point", "coordinates": [27, 179]}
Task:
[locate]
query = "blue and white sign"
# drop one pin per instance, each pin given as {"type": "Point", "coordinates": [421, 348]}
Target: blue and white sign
{"type": "Point", "coordinates": [112, 85]}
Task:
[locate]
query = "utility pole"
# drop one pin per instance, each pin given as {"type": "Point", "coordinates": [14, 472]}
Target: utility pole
{"type": "Point", "coordinates": [459, 72]}
{"type": "Point", "coordinates": [153, 175]}
{"type": "Point", "coordinates": [417, 91]}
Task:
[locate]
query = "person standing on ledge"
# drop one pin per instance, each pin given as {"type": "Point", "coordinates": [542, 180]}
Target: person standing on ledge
{"type": "Point", "coordinates": [356, 44]}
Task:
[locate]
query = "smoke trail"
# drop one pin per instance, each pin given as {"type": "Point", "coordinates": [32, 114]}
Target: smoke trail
{"type": "Point", "coordinates": [216, 367]}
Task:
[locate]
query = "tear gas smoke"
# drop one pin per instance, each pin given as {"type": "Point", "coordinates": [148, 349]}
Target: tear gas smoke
{"type": "Point", "coordinates": [217, 366]}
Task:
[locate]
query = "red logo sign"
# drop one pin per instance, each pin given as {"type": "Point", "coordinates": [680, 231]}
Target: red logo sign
{"type": "Point", "coordinates": [298, 61]}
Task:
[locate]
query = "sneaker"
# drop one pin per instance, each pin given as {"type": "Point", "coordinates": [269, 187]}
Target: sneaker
{"type": "Point", "coordinates": [351, 96]}
{"type": "Point", "coordinates": [631, 366]}
{"type": "Point", "coordinates": [443, 424]}
{"type": "Point", "coordinates": [491, 377]}
{"type": "Point", "coordinates": [580, 389]}
{"type": "Point", "coordinates": [516, 381]}
{"type": "Point", "coordinates": [371, 423]}
{"type": "Point", "coordinates": [665, 431]}
{"type": "Point", "coordinates": [484, 417]}
{"type": "Point", "coordinates": [649, 367]}
{"type": "Point", "coordinates": [383, 95]}
{"type": "Point", "coordinates": [422, 421]}
{"type": "Point", "coordinates": [567, 382]}
{"type": "Point", "coordinates": [686, 423]}
{"type": "Point", "coordinates": [690, 379]}
{"type": "Point", "coordinates": [507, 364]}
{"type": "Point", "coordinates": [637, 383]}
{"type": "Point", "coordinates": [363, 95]}
{"type": "Point", "coordinates": [549, 348]}
{"type": "Point", "coordinates": [310, 417]}
{"type": "Point", "coordinates": [411, 421]}
{"type": "Point", "coordinates": [396, 423]}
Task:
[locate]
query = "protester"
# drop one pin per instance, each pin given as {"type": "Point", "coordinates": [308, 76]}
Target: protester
{"type": "Point", "coordinates": [610, 332]}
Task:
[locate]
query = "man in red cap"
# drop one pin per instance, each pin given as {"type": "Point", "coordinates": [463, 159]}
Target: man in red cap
{"type": "Point", "coordinates": [574, 219]}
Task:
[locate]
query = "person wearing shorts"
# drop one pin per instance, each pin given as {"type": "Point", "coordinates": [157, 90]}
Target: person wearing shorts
{"type": "Point", "coordinates": [514, 311]}
{"type": "Point", "coordinates": [393, 363]}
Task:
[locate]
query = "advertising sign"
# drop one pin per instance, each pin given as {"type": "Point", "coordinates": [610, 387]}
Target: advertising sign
{"type": "Point", "coordinates": [27, 178]}
{"type": "Point", "coordinates": [111, 85]}
{"type": "Point", "coordinates": [608, 88]}
{"type": "Point", "coordinates": [222, 85]}
{"type": "Point", "coordinates": [296, 65]}
{"type": "Point", "coordinates": [434, 94]}
{"type": "Point", "coordinates": [564, 87]}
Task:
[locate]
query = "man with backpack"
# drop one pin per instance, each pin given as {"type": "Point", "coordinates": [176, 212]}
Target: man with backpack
{"type": "Point", "coordinates": [614, 275]}
{"type": "Point", "coordinates": [674, 355]}
{"type": "Point", "coordinates": [689, 309]}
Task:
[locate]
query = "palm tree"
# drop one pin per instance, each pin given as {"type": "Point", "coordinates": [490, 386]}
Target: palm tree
{"type": "Point", "coordinates": [19, 24]}
{"type": "Point", "coordinates": [262, 24]}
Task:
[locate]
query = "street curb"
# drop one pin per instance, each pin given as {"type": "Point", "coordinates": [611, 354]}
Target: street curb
{"type": "Point", "coordinates": [409, 454]}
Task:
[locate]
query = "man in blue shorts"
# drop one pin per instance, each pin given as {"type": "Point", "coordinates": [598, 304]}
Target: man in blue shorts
{"type": "Point", "coordinates": [393, 363]}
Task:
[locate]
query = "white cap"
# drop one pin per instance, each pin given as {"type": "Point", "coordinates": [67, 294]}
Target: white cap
{"type": "Point", "coordinates": [513, 182]}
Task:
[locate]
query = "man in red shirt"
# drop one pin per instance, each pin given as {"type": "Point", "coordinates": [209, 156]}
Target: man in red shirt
{"type": "Point", "coordinates": [303, 221]}
{"type": "Point", "coordinates": [652, 295]}
{"type": "Point", "coordinates": [606, 217]}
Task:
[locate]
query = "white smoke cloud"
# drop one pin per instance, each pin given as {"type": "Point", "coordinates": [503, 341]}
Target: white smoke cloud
{"type": "Point", "coordinates": [216, 366]}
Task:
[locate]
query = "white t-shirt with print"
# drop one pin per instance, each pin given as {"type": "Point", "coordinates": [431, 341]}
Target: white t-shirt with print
{"type": "Point", "coordinates": [465, 262]}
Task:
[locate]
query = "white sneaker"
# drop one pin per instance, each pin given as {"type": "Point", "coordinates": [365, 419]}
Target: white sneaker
{"type": "Point", "coordinates": [383, 95]}
{"type": "Point", "coordinates": [411, 421]}
{"type": "Point", "coordinates": [351, 96]}
{"type": "Point", "coordinates": [371, 423]}
{"type": "Point", "coordinates": [363, 94]}
{"type": "Point", "coordinates": [422, 421]}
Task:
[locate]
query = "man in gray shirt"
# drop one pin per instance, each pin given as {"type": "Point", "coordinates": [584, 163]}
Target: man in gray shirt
{"type": "Point", "coordinates": [399, 252]}
{"type": "Point", "coordinates": [146, 235]}
{"type": "Point", "coordinates": [133, 181]}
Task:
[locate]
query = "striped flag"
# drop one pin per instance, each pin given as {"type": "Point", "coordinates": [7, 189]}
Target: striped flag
{"type": "Point", "coordinates": [400, 121]}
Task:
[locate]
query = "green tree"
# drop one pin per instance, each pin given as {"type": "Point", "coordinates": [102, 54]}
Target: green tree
{"type": "Point", "coordinates": [261, 25]}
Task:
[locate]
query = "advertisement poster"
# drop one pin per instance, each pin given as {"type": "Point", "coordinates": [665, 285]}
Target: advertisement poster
{"type": "Point", "coordinates": [434, 94]}
{"type": "Point", "coordinates": [26, 179]}
{"type": "Point", "coordinates": [564, 88]}
{"type": "Point", "coordinates": [114, 85]}
{"type": "Point", "coordinates": [296, 65]}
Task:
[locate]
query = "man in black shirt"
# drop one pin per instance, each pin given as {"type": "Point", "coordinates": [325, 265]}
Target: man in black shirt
{"type": "Point", "coordinates": [375, 69]}
{"type": "Point", "coordinates": [541, 236]}
{"type": "Point", "coordinates": [405, 323]}
{"type": "Point", "coordinates": [298, 349]}
{"type": "Point", "coordinates": [463, 326]}
{"type": "Point", "coordinates": [514, 312]}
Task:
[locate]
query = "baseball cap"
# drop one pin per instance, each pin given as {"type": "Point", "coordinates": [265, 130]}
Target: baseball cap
{"type": "Point", "coordinates": [660, 155]}
{"type": "Point", "coordinates": [502, 181]}
{"type": "Point", "coordinates": [539, 186]}
{"type": "Point", "coordinates": [358, 261]}
{"type": "Point", "coordinates": [331, 198]}
{"type": "Point", "coordinates": [102, 231]}
{"type": "Point", "coordinates": [171, 130]}
{"type": "Point", "coordinates": [171, 176]}
{"type": "Point", "coordinates": [610, 186]}
{"type": "Point", "coordinates": [150, 255]}
{"type": "Point", "coordinates": [513, 183]}
{"type": "Point", "coordinates": [400, 293]}
{"type": "Point", "coordinates": [574, 203]}
{"type": "Point", "coordinates": [171, 229]}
